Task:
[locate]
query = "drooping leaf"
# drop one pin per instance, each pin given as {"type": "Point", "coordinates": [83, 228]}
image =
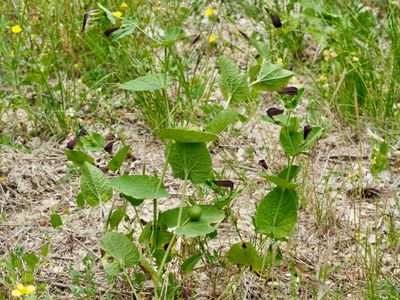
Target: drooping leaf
{"type": "Point", "coordinates": [121, 248]}
{"type": "Point", "coordinates": [118, 159]}
{"type": "Point", "coordinates": [276, 214]}
{"type": "Point", "coordinates": [80, 200]}
{"type": "Point", "coordinates": [139, 186]}
{"type": "Point", "coordinates": [222, 120]}
{"type": "Point", "coordinates": [189, 264]}
{"type": "Point", "coordinates": [245, 254]}
{"type": "Point", "coordinates": [194, 229]}
{"type": "Point", "coordinates": [95, 186]}
{"type": "Point", "coordinates": [191, 161]}
{"type": "Point", "coordinates": [78, 157]}
{"type": "Point", "coordinates": [55, 220]}
{"type": "Point", "coordinates": [117, 216]}
{"type": "Point", "coordinates": [271, 77]}
{"type": "Point", "coordinates": [232, 83]}
{"type": "Point", "coordinates": [148, 83]}
{"type": "Point", "coordinates": [187, 135]}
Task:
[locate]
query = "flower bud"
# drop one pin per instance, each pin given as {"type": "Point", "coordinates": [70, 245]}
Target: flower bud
{"type": "Point", "coordinates": [307, 130]}
{"type": "Point", "coordinates": [290, 90]}
{"type": "Point", "coordinates": [273, 111]}
{"type": "Point", "coordinates": [72, 143]}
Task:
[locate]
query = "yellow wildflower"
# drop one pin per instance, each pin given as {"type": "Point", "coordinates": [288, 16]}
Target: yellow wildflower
{"type": "Point", "coordinates": [23, 290]}
{"type": "Point", "coordinates": [332, 54]}
{"type": "Point", "coordinates": [279, 61]}
{"type": "Point", "coordinates": [355, 58]}
{"type": "Point", "coordinates": [117, 14]}
{"type": "Point", "coordinates": [16, 293]}
{"type": "Point", "coordinates": [212, 38]}
{"type": "Point", "coordinates": [16, 29]}
{"type": "Point", "coordinates": [323, 78]}
{"type": "Point", "coordinates": [210, 11]}
{"type": "Point", "coordinates": [123, 6]}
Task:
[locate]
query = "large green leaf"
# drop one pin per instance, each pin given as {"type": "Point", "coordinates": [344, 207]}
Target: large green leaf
{"type": "Point", "coordinates": [95, 186]}
{"type": "Point", "coordinates": [210, 217]}
{"type": "Point", "coordinates": [139, 186]}
{"type": "Point", "coordinates": [121, 248]}
{"type": "Point", "coordinates": [245, 254]}
{"type": "Point", "coordinates": [148, 83]}
{"type": "Point", "coordinates": [232, 83]}
{"type": "Point", "coordinates": [276, 214]}
{"type": "Point", "coordinates": [222, 120]}
{"type": "Point", "coordinates": [187, 135]}
{"type": "Point", "coordinates": [271, 77]}
{"type": "Point", "coordinates": [190, 161]}
{"type": "Point", "coordinates": [118, 159]}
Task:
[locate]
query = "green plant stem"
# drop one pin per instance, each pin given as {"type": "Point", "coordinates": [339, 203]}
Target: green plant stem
{"type": "Point", "coordinates": [128, 278]}
{"type": "Point", "coordinates": [183, 197]}
{"type": "Point", "coordinates": [231, 283]}
{"type": "Point", "coordinates": [155, 224]}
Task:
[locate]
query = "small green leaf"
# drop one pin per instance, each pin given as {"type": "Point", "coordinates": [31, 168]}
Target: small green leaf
{"type": "Point", "coordinates": [95, 186]}
{"type": "Point", "coordinates": [44, 250]}
{"type": "Point", "coordinates": [117, 216]}
{"type": "Point", "coordinates": [191, 161]}
{"type": "Point", "coordinates": [148, 83]}
{"type": "Point", "coordinates": [271, 77]}
{"type": "Point", "coordinates": [109, 14]}
{"type": "Point", "coordinates": [118, 159]}
{"type": "Point", "coordinates": [121, 248]}
{"type": "Point", "coordinates": [31, 260]}
{"type": "Point", "coordinates": [294, 170]}
{"type": "Point", "coordinates": [276, 214]}
{"type": "Point", "coordinates": [78, 157]}
{"type": "Point", "coordinates": [291, 141]}
{"type": "Point", "coordinates": [55, 220]}
{"type": "Point", "coordinates": [172, 35]}
{"type": "Point", "coordinates": [245, 254]}
{"type": "Point", "coordinates": [222, 120]}
{"type": "Point", "coordinates": [186, 135]}
{"type": "Point", "coordinates": [128, 27]}
{"type": "Point", "coordinates": [232, 83]}
{"type": "Point", "coordinates": [93, 141]}
{"type": "Point", "coordinates": [314, 134]}
{"type": "Point", "coordinates": [281, 182]}
{"type": "Point", "coordinates": [139, 186]}
{"type": "Point", "coordinates": [189, 264]}
{"type": "Point", "coordinates": [80, 200]}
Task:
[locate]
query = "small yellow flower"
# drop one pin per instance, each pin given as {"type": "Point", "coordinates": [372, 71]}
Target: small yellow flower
{"type": "Point", "coordinates": [16, 293]}
{"type": "Point", "coordinates": [210, 11]}
{"type": "Point", "coordinates": [117, 14]}
{"type": "Point", "coordinates": [332, 54]}
{"type": "Point", "coordinates": [123, 6]}
{"type": "Point", "coordinates": [16, 29]}
{"type": "Point", "coordinates": [279, 61]}
{"type": "Point", "coordinates": [212, 38]}
{"type": "Point", "coordinates": [355, 58]}
{"type": "Point", "coordinates": [323, 78]}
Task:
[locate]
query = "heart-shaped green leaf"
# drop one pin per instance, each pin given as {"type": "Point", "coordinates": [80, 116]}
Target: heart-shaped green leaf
{"type": "Point", "coordinates": [121, 248]}
{"type": "Point", "coordinates": [186, 135]}
{"type": "Point", "coordinates": [95, 186]}
{"type": "Point", "coordinates": [148, 83]}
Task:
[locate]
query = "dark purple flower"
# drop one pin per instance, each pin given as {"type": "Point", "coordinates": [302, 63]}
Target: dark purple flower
{"type": "Point", "coordinates": [276, 21]}
{"type": "Point", "coordinates": [290, 90]}
{"type": "Point", "coordinates": [307, 130]}
{"type": "Point", "coordinates": [224, 183]}
{"type": "Point", "coordinates": [244, 35]}
{"type": "Point", "coordinates": [109, 146]}
{"type": "Point", "coordinates": [72, 143]}
{"type": "Point", "coordinates": [273, 111]}
{"type": "Point", "coordinates": [263, 164]}
{"type": "Point", "coordinates": [82, 132]}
